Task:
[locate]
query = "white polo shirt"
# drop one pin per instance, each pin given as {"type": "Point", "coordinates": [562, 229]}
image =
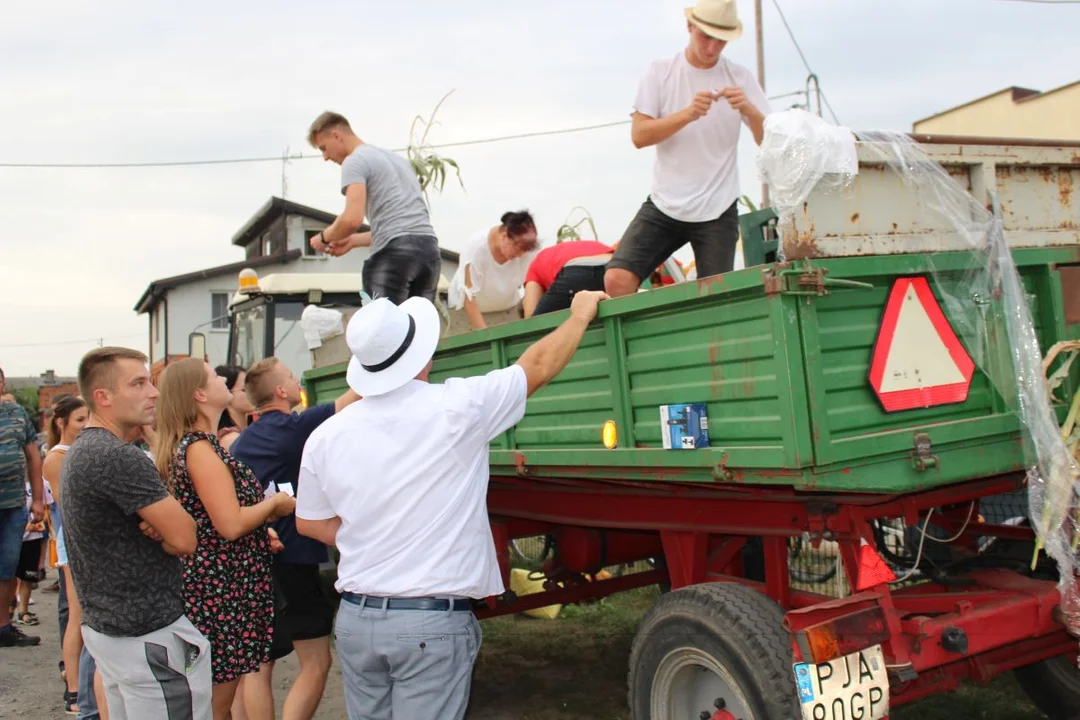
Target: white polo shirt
{"type": "Point", "coordinates": [407, 473]}
{"type": "Point", "coordinates": [696, 174]}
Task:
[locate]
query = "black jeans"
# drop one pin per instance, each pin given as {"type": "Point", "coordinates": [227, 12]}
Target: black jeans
{"type": "Point", "coordinates": [407, 267]}
{"type": "Point", "coordinates": [568, 281]}
{"type": "Point", "coordinates": [653, 236]}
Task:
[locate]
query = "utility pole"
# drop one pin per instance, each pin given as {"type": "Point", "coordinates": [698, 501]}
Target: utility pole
{"type": "Point", "coordinates": [284, 173]}
{"type": "Point", "coordinates": [759, 33]}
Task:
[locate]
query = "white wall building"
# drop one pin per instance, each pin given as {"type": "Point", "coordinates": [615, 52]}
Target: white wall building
{"type": "Point", "coordinates": [274, 240]}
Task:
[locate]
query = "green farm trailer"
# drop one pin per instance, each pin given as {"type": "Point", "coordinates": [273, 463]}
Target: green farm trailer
{"type": "Point", "coordinates": [706, 433]}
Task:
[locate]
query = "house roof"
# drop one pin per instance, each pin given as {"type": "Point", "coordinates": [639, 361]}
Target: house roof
{"type": "Point", "coordinates": [155, 290]}
{"type": "Point", "coordinates": [18, 383]}
{"type": "Point", "coordinates": [275, 206]}
{"type": "Point", "coordinates": [270, 210]}
{"type": "Point", "coordinates": [1019, 94]}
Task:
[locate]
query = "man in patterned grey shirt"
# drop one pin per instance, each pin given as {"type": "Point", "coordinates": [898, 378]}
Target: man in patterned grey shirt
{"type": "Point", "coordinates": [123, 532]}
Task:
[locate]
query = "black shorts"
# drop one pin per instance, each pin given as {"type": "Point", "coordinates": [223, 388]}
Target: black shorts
{"type": "Point", "coordinates": [653, 236]}
{"type": "Point", "coordinates": [30, 569]}
{"type": "Point", "coordinates": [571, 279]}
{"type": "Point", "coordinates": [302, 608]}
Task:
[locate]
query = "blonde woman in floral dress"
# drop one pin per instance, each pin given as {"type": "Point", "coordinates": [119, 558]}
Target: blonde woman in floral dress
{"type": "Point", "coordinates": [228, 592]}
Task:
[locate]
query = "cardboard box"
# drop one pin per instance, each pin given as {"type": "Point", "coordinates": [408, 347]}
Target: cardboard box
{"type": "Point", "coordinates": [684, 426]}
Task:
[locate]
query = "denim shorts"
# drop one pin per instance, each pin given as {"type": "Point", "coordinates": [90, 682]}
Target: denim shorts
{"type": "Point", "coordinates": [12, 526]}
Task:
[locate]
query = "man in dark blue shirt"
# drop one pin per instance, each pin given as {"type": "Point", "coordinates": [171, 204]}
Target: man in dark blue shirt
{"type": "Point", "coordinates": [304, 617]}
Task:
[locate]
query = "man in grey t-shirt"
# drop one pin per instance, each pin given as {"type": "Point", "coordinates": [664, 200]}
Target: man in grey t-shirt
{"type": "Point", "coordinates": [123, 532]}
{"type": "Point", "coordinates": [404, 260]}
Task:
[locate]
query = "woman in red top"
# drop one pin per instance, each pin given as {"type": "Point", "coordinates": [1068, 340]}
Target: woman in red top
{"type": "Point", "coordinates": [559, 271]}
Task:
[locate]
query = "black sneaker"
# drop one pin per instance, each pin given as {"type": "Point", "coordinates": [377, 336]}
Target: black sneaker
{"type": "Point", "coordinates": [14, 637]}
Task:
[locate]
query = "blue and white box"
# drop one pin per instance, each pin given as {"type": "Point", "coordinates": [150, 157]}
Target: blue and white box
{"type": "Point", "coordinates": [684, 426]}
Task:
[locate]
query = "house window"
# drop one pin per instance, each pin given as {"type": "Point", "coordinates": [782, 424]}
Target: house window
{"type": "Point", "coordinates": [267, 245]}
{"type": "Point", "coordinates": [308, 250]}
{"type": "Point", "coordinates": [219, 311]}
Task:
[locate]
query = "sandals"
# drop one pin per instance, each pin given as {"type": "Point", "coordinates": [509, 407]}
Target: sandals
{"type": "Point", "coordinates": [28, 618]}
{"type": "Point", "coordinates": [71, 703]}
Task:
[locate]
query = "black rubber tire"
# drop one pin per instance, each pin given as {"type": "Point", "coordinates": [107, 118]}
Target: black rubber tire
{"type": "Point", "coordinates": [1054, 686]}
{"type": "Point", "coordinates": [741, 629]}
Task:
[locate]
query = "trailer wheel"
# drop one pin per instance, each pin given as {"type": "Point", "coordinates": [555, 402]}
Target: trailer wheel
{"type": "Point", "coordinates": [1054, 686]}
{"type": "Point", "coordinates": [703, 642]}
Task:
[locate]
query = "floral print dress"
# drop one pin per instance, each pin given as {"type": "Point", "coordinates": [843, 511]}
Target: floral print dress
{"type": "Point", "coordinates": [228, 591]}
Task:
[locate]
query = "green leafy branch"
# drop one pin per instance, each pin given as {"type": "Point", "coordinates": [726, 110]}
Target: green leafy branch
{"type": "Point", "coordinates": [431, 168]}
{"type": "Point", "coordinates": [567, 231]}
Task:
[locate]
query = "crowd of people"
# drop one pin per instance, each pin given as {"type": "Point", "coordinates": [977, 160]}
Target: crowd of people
{"type": "Point", "coordinates": [190, 516]}
{"type": "Point", "coordinates": [690, 106]}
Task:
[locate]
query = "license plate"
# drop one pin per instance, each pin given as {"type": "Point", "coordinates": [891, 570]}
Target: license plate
{"type": "Point", "coordinates": [853, 687]}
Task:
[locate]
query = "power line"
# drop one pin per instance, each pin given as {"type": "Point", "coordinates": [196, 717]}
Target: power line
{"type": "Point", "coordinates": [71, 342]}
{"type": "Point", "coordinates": [311, 156]}
{"type": "Point", "coordinates": [802, 55]}
{"type": "Point", "coordinates": [791, 34]}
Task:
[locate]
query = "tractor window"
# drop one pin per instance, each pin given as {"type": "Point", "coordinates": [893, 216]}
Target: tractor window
{"type": "Point", "coordinates": [250, 341]}
{"type": "Point", "coordinates": [289, 344]}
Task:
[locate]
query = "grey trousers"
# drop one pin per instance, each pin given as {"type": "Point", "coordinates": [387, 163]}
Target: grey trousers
{"type": "Point", "coordinates": [406, 664]}
{"type": "Point", "coordinates": [164, 675]}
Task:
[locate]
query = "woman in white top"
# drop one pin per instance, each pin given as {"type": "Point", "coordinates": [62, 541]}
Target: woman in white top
{"type": "Point", "coordinates": [493, 267]}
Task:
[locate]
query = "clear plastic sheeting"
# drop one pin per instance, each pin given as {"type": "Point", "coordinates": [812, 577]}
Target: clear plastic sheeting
{"type": "Point", "coordinates": [983, 294]}
{"type": "Point", "coordinates": [801, 154]}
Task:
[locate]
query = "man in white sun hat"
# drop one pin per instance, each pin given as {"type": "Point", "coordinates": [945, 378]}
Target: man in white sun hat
{"type": "Point", "coordinates": [691, 106]}
{"type": "Point", "coordinates": [398, 481]}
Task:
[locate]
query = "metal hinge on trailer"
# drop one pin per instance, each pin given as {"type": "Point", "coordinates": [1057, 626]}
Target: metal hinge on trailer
{"type": "Point", "coordinates": [810, 282]}
{"type": "Point", "coordinates": [922, 457]}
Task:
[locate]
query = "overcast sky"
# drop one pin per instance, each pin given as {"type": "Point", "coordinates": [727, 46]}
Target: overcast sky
{"type": "Point", "coordinates": [124, 81]}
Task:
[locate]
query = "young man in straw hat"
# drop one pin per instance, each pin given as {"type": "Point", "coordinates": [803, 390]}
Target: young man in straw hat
{"type": "Point", "coordinates": [691, 107]}
{"type": "Point", "coordinates": [382, 186]}
{"type": "Point", "coordinates": [398, 481]}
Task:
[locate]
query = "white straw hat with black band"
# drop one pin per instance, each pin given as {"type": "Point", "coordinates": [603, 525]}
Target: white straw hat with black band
{"type": "Point", "coordinates": [390, 344]}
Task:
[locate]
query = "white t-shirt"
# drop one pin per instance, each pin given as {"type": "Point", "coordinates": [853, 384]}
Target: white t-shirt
{"type": "Point", "coordinates": [495, 287]}
{"type": "Point", "coordinates": [407, 473]}
{"type": "Point", "coordinates": [696, 174]}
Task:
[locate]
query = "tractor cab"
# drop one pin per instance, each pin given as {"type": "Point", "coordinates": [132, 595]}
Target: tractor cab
{"type": "Point", "coordinates": [266, 317]}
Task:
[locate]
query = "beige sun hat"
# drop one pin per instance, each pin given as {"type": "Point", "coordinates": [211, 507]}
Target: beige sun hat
{"type": "Point", "coordinates": [716, 18]}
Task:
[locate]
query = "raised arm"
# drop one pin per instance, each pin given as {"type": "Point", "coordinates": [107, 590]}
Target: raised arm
{"type": "Point", "coordinates": [546, 358]}
{"type": "Point", "coordinates": [345, 400]}
{"type": "Point", "coordinates": [752, 116]}
{"type": "Point", "coordinates": [213, 481]}
{"type": "Point", "coordinates": [646, 130]}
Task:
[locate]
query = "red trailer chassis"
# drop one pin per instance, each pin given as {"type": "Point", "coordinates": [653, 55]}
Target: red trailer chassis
{"type": "Point", "coordinates": [935, 635]}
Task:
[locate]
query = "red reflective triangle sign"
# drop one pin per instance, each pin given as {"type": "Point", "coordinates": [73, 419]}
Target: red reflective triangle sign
{"type": "Point", "coordinates": [918, 361]}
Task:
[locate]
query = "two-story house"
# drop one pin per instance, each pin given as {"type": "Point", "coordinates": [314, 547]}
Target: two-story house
{"type": "Point", "coordinates": [275, 240]}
